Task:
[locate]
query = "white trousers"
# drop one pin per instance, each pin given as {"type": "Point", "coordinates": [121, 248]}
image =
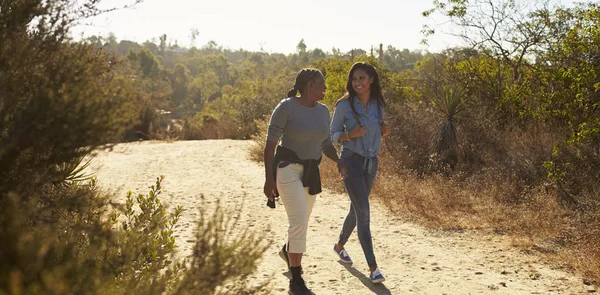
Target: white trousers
{"type": "Point", "coordinates": [297, 202]}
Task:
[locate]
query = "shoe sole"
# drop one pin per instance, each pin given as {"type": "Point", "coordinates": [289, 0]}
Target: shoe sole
{"type": "Point", "coordinates": [378, 281]}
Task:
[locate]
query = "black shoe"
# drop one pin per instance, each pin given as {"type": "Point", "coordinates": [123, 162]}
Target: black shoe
{"type": "Point", "coordinates": [298, 287]}
{"type": "Point", "coordinates": [284, 255]}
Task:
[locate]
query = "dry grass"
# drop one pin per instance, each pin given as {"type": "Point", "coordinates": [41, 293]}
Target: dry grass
{"type": "Point", "coordinates": [538, 222]}
{"type": "Point", "coordinates": [256, 150]}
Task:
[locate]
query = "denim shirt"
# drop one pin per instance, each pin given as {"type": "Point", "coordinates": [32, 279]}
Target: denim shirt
{"type": "Point", "coordinates": [367, 145]}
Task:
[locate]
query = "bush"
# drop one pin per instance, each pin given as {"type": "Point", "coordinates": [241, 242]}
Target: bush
{"type": "Point", "coordinates": [256, 150]}
{"type": "Point", "coordinates": [79, 247]}
{"type": "Point", "coordinates": [59, 101]}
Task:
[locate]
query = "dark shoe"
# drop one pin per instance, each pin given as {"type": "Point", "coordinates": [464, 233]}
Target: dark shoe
{"type": "Point", "coordinates": [298, 287]}
{"type": "Point", "coordinates": [284, 255]}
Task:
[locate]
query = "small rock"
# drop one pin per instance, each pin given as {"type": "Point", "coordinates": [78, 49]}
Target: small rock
{"type": "Point", "coordinates": [504, 272]}
{"type": "Point", "coordinates": [478, 273]}
{"type": "Point", "coordinates": [493, 287]}
{"type": "Point", "coordinates": [503, 284]}
{"type": "Point", "coordinates": [534, 275]}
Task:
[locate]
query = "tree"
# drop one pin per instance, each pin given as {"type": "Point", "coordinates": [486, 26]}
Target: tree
{"type": "Point", "coordinates": [336, 52]}
{"type": "Point", "coordinates": [163, 44]}
{"type": "Point", "coordinates": [356, 52]}
{"type": "Point", "coordinates": [301, 47]}
{"type": "Point", "coordinates": [125, 45]}
{"type": "Point", "coordinates": [180, 80]}
{"type": "Point", "coordinates": [193, 36]}
{"type": "Point", "coordinates": [317, 53]}
{"type": "Point", "coordinates": [152, 47]}
{"type": "Point", "coordinates": [399, 60]}
{"type": "Point", "coordinates": [219, 64]}
{"type": "Point", "coordinates": [59, 99]}
{"type": "Point", "coordinates": [148, 62]}
{"type": "Point", "coordinates": [499, 28]}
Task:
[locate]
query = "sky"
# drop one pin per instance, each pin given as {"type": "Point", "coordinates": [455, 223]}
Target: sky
{"type": "Point", "coordinates": [274, 26]}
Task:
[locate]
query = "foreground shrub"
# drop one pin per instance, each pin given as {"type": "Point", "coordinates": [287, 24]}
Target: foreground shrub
{"type": "Point", "coordinates": [84, 246]}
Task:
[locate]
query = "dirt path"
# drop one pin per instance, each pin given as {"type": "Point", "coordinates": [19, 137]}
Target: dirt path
{"type": "Point", "coordinates": [414, 260]}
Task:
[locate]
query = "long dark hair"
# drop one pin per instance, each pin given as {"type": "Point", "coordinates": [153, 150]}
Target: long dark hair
{"type": "Point", "coordinates": [376, 93]}
{"type": "Point", "coordinates": [302, 78]}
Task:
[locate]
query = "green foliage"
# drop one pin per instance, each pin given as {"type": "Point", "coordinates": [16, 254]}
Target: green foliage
{"type": "Point", "coordinates": [148, 63]}
{"type": "Point", "coordinates": [149, 231]}
{"type": "Point", "coordinates": [400, 60]}
{"type": "Point", "coordinates": [223, 254]}
{"type": "Point", "coordinates": [543, 83]}
{"type": "Point", "coordinates": [445, 143]}
{"type": "Point", "coordinates": [59, 101]}
{"type": "Point", "coordinates": [51, 249]}
{"type": "Point", "coordinates": [73, 171]}
{"type": "Point", "coordinates": [336, 73]}
{"type": "Point", "coordinates": [451, 104]}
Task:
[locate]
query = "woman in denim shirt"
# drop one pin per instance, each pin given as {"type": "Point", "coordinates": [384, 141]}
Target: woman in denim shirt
{"type": "Point", "coordinates": [358, 126]}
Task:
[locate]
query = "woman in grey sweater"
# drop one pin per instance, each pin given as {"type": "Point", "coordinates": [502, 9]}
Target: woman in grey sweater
{"type": "Point", "coordinates": [292, 167]}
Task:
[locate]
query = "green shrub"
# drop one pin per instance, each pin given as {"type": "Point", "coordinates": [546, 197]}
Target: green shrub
{"type": "Point", "coordinates": [80, 245]}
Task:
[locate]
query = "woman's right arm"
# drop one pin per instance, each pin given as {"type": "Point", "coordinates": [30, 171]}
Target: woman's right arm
{"type": "Point", "coordinates": [275, 129]}
{"type": "Point", "coordinates": [269, 188]}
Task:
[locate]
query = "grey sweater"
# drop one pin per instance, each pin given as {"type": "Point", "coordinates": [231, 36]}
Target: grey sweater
{"type": "Point", "coordinates": [305, 130]}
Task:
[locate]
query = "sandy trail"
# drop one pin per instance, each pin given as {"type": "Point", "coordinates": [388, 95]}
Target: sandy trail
{"type": "Point", "coordinates": [414, 260]}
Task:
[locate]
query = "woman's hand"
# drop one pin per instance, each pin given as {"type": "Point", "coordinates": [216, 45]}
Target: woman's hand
{"type": "Point", "coordinates": [385, 129]}
{"type": "Point", "coordinates": [358, 131]}
{"type": "Point", "coordinates": [342, 169]}
{"type": "Point", "coordinates": [270, 188]}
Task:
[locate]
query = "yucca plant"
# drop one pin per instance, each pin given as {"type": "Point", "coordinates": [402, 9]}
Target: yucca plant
{"type": "Point", "coordinates": [445, 143]}
{"type": "Point", "coordinates": [72, 171]}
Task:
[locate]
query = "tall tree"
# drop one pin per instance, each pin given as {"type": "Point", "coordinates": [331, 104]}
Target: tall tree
{"type": "Point", "coordinates": [301, 47]}
{"type": "Point", "coordinates": [163, 44]}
